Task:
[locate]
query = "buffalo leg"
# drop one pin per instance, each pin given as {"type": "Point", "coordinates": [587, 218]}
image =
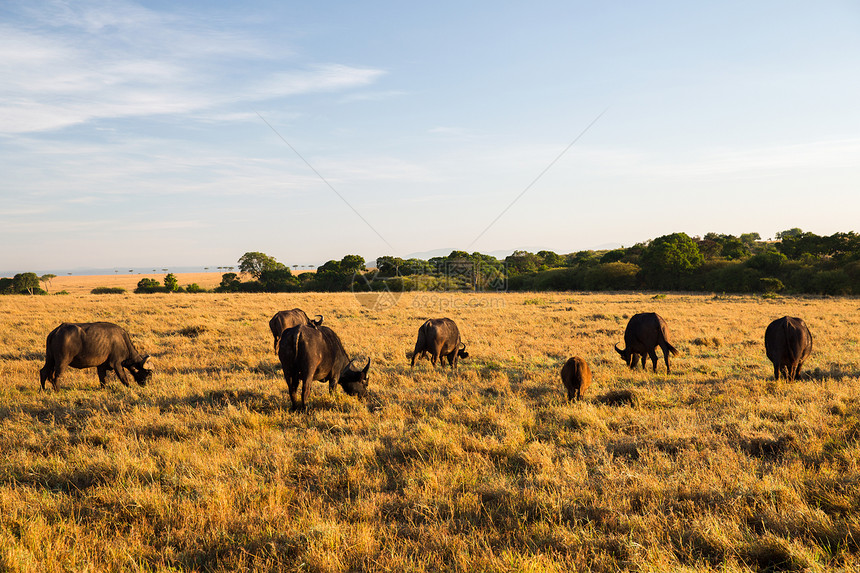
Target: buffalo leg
{"type": "Point", "coordinates": [120, 373]}
{"type": "Point", "coordinates": [59, 370]}
{"type": "Point", "coordinates": [102, 371]}
{"type": "Point", "coordinates": [332, 384]}
{"type": "Point", "coordinates": [415, 356]}
{"type": "Point", "coordinates": [644, 358]}
{"type": "Point", "coordinates": [45, 374]}
{"type": "Point", "coordinates": [775, 371]}
{"type": "Point", "coordinates": [666, 358]}
{"type": "Point", "coordinates": [653, 354]}
{"type": "Point", "coordinates": [307, 384]}
{"type": "Point", "coordinates": [797, 370]}
{"type": "Point", "coordinates": [293, 383]}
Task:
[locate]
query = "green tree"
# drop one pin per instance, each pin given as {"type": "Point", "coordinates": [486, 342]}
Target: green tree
{"type": "Point", "coordinates": [389, 266]}
{"type": "Point", "coordinates": [520, 262]}
{"type": "Point", "coordinates": [329, 267]}
{"type": "Point", "coordinates": [171, 283]}
{"type": "Point", "coordinates": [749, 239]}
{"type": "Point", "coordinates": [795, 232]}
{"type": "Point", "coordinates": [613, 256]}
{"type": "Point", "coordinates": [611, 276]}
{"type": "Point", "coordinates": [669, 259]}
{"type": "Point", "coordinates": [734, 248]}
{"type": "Point", "coordinates": [769, 261]}
{"type": "Point", "coordinates": [583, 259]}
{"type": "Point", "coordinates": [352, 264]}
{"type": "Point", "coordinates": [550, 259]}
{"type": "Point", "coordinates": [26, 283]}
{"type": "Point", "coordinates": [147, 285]}
{"type": "Point", "coordinates": [46, 279]}
{"type": "Point", "coordinates": [254, 263]}
{"type": "Point", "coordinates": [229, 282]}
{"type": "Point", "coordinates": [278, 280]}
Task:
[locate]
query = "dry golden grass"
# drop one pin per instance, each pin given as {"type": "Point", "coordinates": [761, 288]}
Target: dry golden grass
{"type": "Point", "coordinates": [716, 468]}
{"type": "Point", "coordinates": [83, 284]}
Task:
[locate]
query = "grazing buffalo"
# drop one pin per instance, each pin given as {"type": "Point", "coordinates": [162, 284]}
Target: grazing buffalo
{"type": "Point", "coordinates": [288, 319]}
{"type": "Point", "coordinates": [101, 344]}
{"type": "Point", "coordinates": [787, 342]}
{"type": "Point", "coordinates": [576, 377]}
{"type": "Point", "coordinates": [311, 353]}
{"type": "Point", "coordinates": [644, 333]}
{"type": "Point", "coordinates": [439, 337]}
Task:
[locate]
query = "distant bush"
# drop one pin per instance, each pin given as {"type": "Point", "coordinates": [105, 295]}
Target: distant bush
{"type": "Point", "coordinates": [770, 285]}
{"type": "Point", "coordinates": [612, 276]}
{"type": "Point", "coordinates": [147, 285]}
{"type": "Point", "coordinates": [171, 283]}
{"type": "Point", "coordinates": [108, 290]}
{"type": "Point", "coordinates": [194, 287]}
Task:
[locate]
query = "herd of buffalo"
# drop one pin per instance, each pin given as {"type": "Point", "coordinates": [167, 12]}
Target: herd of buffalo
{"type": "Point", "coordinates": [309, 351]}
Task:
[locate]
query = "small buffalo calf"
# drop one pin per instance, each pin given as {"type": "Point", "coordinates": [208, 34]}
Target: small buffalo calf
{"type": "Point", "coordinates": [576, 377]}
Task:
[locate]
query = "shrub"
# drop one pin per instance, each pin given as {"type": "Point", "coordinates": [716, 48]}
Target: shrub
{"type": "Point", "coordinates": [229, 283]}
{"type": "Point", "coordinates": [832, 282]}
{"type": "Point", "coordinates": [147, 285]}
{"type": "Point", "coordinates": [770, 285]}
{"type": "Point", "coordinates": [670, 258]}
{"type": "Point", "coordinates": [108, 290]}
{"type": "Point", "coordinates": [612, 276]}
{"type": "Point", "coordinates": [769, 261]}
{"type": "Point", "coordinates": [171, 283]}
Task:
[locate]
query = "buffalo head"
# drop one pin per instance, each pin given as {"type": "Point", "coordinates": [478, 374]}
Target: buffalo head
{"type": "Point", "coordinates": [461, 352]}
{"type": "Point", "coordinates": [141, 370]}
{"type": "Point", "coordinates": [626, 355]}
{"type": "Point", "coordinates": [354, 382]}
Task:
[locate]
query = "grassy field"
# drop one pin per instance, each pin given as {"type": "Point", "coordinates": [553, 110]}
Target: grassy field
{"type": "Point", "coordinates": [714, 467]}
{"type": "Point", "coordinates": [77, 284]}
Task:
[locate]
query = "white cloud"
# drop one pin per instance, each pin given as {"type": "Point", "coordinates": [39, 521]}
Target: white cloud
{"type": "Point", "coordinates": [75, 65]}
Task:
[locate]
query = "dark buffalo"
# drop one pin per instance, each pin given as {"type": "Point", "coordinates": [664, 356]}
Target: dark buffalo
{"type": "Point", "coordinates": [644, 333]}
{"type": "Point", "coordinates": [288, 319]}
{"type": "Point", "coordinates": [576, 377]}
{"type": "Point", "coordinates": [439, 337]}
{"type": "Point", "coordinates": [787, 342]}
{"type": "Point", "coordinates": [101, 344]}
{"type": "Point", "coordinates": [311, 353]}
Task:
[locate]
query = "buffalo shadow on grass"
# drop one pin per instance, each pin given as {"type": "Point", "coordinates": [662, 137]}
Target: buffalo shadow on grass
{"type": "Point", "coordinates": [832, 372]}
{"type": "Point", "coordinates": [618, 398]}
{"type": "Point", "coordinates": [23, 356]}
{"type": "Point", "coordinates": [255, 401]}
{"type": "Point", "coordinates": [251, 400]}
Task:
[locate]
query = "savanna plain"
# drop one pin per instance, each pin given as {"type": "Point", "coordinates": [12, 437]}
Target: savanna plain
{"type": "Point", "coordinates": [713, 467]}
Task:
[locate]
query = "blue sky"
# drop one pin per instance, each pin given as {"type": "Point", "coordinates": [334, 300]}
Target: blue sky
{"type": "Point", "coordinates": [136, 134]}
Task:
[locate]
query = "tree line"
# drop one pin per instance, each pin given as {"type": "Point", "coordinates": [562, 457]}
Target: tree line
{"type": "Point", "coordinates": [797, 262]}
